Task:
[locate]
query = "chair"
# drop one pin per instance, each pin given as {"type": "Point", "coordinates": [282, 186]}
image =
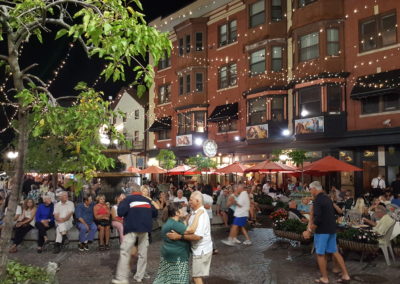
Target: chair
{"type": "Point", "coordinates": [291, 215]}
{"type": "Point", "coordinates": [386, 246]}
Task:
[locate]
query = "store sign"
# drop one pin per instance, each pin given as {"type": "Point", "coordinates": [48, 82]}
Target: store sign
{"type": "Point", "coordinates": [184, 140]}
{"type": "Point", "coordinates": [309, 125]}
{"type": "Point", "coordinates": [257, 131]}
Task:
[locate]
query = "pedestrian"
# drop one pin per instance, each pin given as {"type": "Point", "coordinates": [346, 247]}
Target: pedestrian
{"type": "Point", "coordinates": [118, 222]}
{"type": "Point", "coordinates": [182, 200]}
{"type": "Point", "coordinates": [174, 260]}
{"type": "Point", "coordinates": [102, 217]}
{"type": "Point", "coordinates": [222, 208]}
{"type": "Point", "coordinates": [85, 222]}
{"type": "Point", "coordinates": [240, 218]}
{"type": "Point", "coordinates": [137, 212]}
{"type": "Point", "coordinates": [323, 224]}
{"type": "Point", "coordinates": [44, 221]}
{"type": "Point", "coordinates": [202, 247]}
{"type": "Point", "coordinates": [63, 214]}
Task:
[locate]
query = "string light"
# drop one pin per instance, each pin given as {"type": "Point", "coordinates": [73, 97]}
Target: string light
{"type": "Point", "coordinates": [59, 68]}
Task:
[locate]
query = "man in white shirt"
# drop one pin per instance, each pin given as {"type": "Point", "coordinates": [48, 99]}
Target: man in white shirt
{"type": "Point", "coordinates": [266, 187]}
{"type": "Point", "coordinates": [182, 200]}
{"type": "Point", "coordinates": [63, 214]}
{"type": "Point", "coordinates": [378, 185]}
{"type": "Point", "coordinates": [202, 246]}
{"type": "Point", "coordinates": [241, 215]}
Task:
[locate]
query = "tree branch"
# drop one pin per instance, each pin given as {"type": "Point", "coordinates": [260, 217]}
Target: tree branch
{"type": "Point", "coordinates": [3, 57]}
{"type": "Point", "coordinates": [35, 78]}
{"type": "Point", "coordinates": [29, 67]}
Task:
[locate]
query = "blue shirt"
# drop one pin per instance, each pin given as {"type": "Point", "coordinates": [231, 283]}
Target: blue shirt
{"type": "Point", "coordinates": [45, 212]}
{"type": "Point", "coordinates": [396, 201]}
{"type": "Point", "coordinates": [303, 208]}
{"type": "Point", "coordinates": [86, 213]}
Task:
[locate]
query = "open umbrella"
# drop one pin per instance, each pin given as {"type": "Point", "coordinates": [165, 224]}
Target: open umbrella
{"type": "Point", "coordinates": [234, 168]}
{"type": "Point", "coordinates": [133, 170]}
{"type": "Point", "coordinates": [153, 170]}
{"type": "Point", "coordinates": [330, 164]}
{"type": "Point", "coordinates": [269, 166]}
{"type": "Point", "coordinates": [179, 170]}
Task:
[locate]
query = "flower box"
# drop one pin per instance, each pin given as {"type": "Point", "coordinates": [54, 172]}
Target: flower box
{"type": "Point", "coordinates": [358, 246]}
{"type": "Point", "coordinates": [291, 236]}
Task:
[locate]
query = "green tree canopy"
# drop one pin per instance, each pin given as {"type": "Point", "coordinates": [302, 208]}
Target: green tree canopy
{"type": "Point", "coordinates": [166, 158]}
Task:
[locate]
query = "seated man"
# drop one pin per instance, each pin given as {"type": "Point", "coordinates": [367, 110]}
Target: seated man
{"type": "Point", "coordinates": [44, 221]}
{"type": "Point", "coordinates": [304, 207]}
{"type": "Point", "coordinates": [87, 227]}
{"type": "Point", "coordinates": [63, 211]}
{"type": "Point", "coordinates": [384, 222]}
{"type": "Point", "coordinates": [293, 209]}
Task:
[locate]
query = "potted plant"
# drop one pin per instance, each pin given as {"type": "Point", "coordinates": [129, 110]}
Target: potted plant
{"type": "Point", "coordinates": [358, 240]}
{"type": "Point", "coordinates": [288, 228]}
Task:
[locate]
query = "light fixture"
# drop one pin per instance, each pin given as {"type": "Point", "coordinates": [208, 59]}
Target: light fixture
{"type": "Point", "coordinates": [155, 147]}
{"type": "Point", "coordinates": [168, 145]}
{"type": "Point", "coordinates": [219, 154]}
{"type": "Point", "coordinates": [12, 155]}
{"type": "Point", "coordinates": [115, 141]}
{"type": "Point", "coordinates": [283, 157]}
{"type": "Point", "coordinates": [105, 140]}
{"type": "Point", "coordinates": [198, 141]}
{"type": "Point", "coordinates": [304, 113]}
{"type": "Point", "coordinates": [237, 138]}
{"type": "Point", "coordinates": [286, 132]}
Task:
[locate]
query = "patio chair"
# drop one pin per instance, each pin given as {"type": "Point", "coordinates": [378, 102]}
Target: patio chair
{"type": "Point", "coordinates": [386, 246]}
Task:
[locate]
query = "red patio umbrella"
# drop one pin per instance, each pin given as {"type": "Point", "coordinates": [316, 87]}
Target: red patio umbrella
{"type": "Point", "coordinates": [330, 164]}
{"type": "Point", "coordinates": [179, 170]}
{"type": "Point", "coordinates": [268, 166]}
{"type": "Point", "coordinates": [236, 167]}
{"type": "Point", "coordinates": [133, 170]}
{"type": "Point", "coordinates": [153, 170]}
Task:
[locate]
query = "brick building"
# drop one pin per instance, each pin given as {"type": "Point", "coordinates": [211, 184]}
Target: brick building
{"type": "Point", "coordinates": [259, 75]}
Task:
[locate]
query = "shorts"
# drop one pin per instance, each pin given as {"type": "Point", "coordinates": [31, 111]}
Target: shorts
{"type": "Point", "coordinates": [240, 221]}
{"type": "Point", "coordinates": [201, 265]}
{"type": "Point", "coordinates": [103, 223]}
{"type": "Point", "coordinates": [325, 243]}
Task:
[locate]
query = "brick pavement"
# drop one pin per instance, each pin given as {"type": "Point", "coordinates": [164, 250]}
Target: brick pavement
{"type": "Point", "coordinates": [269, 260]}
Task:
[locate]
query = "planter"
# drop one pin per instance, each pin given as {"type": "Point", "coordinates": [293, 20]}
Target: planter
{"type": "Point", "coordinates": [359, 247]}
{"type": "Point", "coordinates": [291, 236]}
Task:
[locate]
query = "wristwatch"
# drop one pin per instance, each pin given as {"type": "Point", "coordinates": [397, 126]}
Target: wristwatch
{"type": "Point", "coordinates": [182, 237]}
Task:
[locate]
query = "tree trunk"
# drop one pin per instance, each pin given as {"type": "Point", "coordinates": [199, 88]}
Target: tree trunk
{"type": "Point", "coordinates": [22, 148]}
{"type": "Point", "coordinates": [54, 181]}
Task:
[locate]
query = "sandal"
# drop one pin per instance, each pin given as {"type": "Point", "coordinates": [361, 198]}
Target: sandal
{"type": "Point", "coordinates": [101, 247]}
{"type": "Point", "coordinates": [341, 280]}
{"type": "Point", "coordinates": [319, 280]}
{"type": "Point", "coordinates": [39, 250]}
{"type": "Point", "coordinates": [107, 247]}
{"type": "Point", "coordinates": [13, 249]}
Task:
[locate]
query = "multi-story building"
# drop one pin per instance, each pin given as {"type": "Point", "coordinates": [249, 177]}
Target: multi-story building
{"type": "Point", "coordinates": [260, 75]}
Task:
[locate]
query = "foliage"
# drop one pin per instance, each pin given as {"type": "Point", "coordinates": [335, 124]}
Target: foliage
{"type": "Point", "coordinates": [166, 158]}
{"type": "Point", "coordinates": [358, 235]}
{"type": "Point", "coordinates": [278, 215]}
{"type": "Point", "coordinates": [18, 273]}
{"type": "Point", "coordinates": [201, 162]}
{"type": "Point", "coordinates": [290, 225]}
{"type": "Point", "coordinates": [263, 199]}
{"type": "Point", "coordinates": [297, 156]}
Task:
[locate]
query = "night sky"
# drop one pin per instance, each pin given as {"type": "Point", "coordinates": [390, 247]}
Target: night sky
{"type": "Point", "coordinates": [77, 67]}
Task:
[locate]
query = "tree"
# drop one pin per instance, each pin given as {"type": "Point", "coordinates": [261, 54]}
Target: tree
{"type": "Point", "coordinates": [297, 156]}
{"type": "Point", "coordinates": [201, 162]}
{"type": "Point", "coordinates": [166, 158]}
{"type": "Point", "coordinates": [112, 30]}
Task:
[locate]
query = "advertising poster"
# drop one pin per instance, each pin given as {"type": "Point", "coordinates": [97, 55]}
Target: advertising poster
{"type": "Point", "coordinates": [184, 140]}
{"type": "Point", "coordinates": [310, 125]}
{"type": "Point", "coordinates": [257, 131]}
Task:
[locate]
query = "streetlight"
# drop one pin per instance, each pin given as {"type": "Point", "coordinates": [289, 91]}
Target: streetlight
{"type": "Point", "coordinates": [237, 138]}
{"type": "Point", "coordinates": [12, 155]}
{"type": "Point", "coordinates": [286, 132]}
{"type": "Point", "coordinates": [283, 157]}
{"type": "Point", "coordinates": [198, 141]}
{"type": "Point", "coordinates": [304, 113]}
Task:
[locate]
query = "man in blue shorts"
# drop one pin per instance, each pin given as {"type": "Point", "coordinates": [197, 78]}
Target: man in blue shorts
{"type": "Point", "coordinates": [240, 218]}
{"type": "Point", "coordinates": [324, 223]}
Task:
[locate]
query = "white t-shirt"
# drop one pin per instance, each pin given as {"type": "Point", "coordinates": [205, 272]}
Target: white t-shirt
{"type": "Point", "coordinates": [63, 209]}
{"type": "Point", "coordinates": [208, 200]}
{"type": "Point", "coordinates": [378, 183]}
{"type": "Point", "coordinates": [244, 201]}
{"type": "Point", "coordinates": [203, 230]}
{"type": "Point", "coordinates": [266, 188]}
{"type": "Point", "coordinates": [183, 200]}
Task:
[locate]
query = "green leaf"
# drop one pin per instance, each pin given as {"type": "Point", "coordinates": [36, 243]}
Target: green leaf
{"type": "Point", "coordinates": [141, 89]}
{"type": "Point", "coordinates": [61, 33]}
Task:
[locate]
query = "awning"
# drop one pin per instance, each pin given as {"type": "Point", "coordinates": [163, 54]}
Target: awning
{"type": "Point", "coordinates": [376, 84]}
{"type": "Point", "coordinates": [224, 112]}
{"type": "Point", "coordinates": [163, 123]}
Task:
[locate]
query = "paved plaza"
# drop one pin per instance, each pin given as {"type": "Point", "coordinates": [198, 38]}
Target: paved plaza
{"type": "Point", "coordinates": [268, 260]}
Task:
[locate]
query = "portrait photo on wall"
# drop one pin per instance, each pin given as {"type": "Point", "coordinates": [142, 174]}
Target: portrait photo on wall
{"type": "Point", "coordinates": [257, 131]}
{"type": "Point", "coordinates": [184, 140]}
{"type": "Point", "coordinates": [310, 125]}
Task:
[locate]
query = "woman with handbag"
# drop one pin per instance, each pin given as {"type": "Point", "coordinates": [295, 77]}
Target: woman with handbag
{"type": "Point", "coordinates": [102, 214]}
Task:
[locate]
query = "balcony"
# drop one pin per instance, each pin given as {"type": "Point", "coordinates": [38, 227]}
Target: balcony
{"type": "Point", "coordinates": [135, 146]}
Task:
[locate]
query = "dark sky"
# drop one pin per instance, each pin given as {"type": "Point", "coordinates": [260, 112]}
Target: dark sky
{"type": "Point", "coordinates": [77, 67]}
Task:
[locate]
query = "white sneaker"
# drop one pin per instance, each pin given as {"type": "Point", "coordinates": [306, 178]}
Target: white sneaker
{"type": "Point", "coordinates": [146, 276]}
{"type": "Point", "coordinates": [247, 242]}
{"type": "Point", "coordinates": [236, 241]}
{"type": "Point", "coordinates": [137, 279]}
{"type": "Point", "coordinates": [228, 242]}
{"type": "Point", "coordinates": [116, 281]}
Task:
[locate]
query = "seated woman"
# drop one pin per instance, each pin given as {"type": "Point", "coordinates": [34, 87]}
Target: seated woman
{"type": "Point", "coordinates": [174, 260]}
{"type": "Point", "coordinates": [44, 221]}
{"type": "Point", "coordinates": [102, 217]}
{"type": "Point", "coordinates": [386, 198]}
{"type": "Point", "coordinates": [25, 223]}
{"type": "Point", "coordinates": [118, 222]}
{"type": "Point", "coordinates": [360, 207]}
{"type": "Point", "coordinates": [304, 207]}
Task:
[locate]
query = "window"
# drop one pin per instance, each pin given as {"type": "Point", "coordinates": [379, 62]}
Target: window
{"type": "Point", "coordinates": [277, 108]}
{"type": "Point", "coordinates": [164, 134]}
{"type": "Point", "coordinates": [164, 62]}
{"type": "Point", "coordinates": [334, 93]}
{"type": "Point", "coordinates": [188, 83]}
{"type": "Point", "coordinates": [199, 121]}
{"type": "Point", "coordinates": [180, 85]}
{"type": "Point", "coordinates": [184, 123]}
{"type": "Point", "coordinates": [332, 41]}
{"type": "Point", "coordinates": [199, 41]}
{"type": "Point", "coordinates": [257, 111]}
{"type": "Point", "coordinates": [309, 46]}
{"type": "Point", "coordinates": [124, 117]}
{"type": "Point", "coordinates": [164, 94]}
{"type": "Point", "coordinates": [257, 62]}
{"type": "Point", "coordinates": [276, 10]}
{"type": "Point", "coordinates": [199, 82]}
{"type": "Point", "coordinates": [187, 43]}
{"type": "Point", "coordinates": [276, 63]}
{"type": "Point", "coordinates": [303, 3]}
{"type": "Point", "coordinates": [226, 126]}
{"type": "Point", "coordinates": [136, 136]}
{"type": "Point", "coordinates": [227, 76]}
{"type": "Point", "coordinates": [180, 46]}
{"type": "Point", "coordinates": [310, 101]}
{"type": "Point", "coordinates": [228, 33]}
{"type": "Point", "coordinates": [383, 103]}
{"type": "Point", "coordinates": [378, 32]}
{"type": "Point", "coordinates": [136, 114]}
{"type": "Point", "coordinates": [257, 13]}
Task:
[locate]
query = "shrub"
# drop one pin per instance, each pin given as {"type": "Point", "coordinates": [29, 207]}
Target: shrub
{"type": "Point", "coordinates": [290, 225]}
{"type": "Point", "coordinates": [19, 273]}
{"type": "Point", "coordinates": [358, 235]}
